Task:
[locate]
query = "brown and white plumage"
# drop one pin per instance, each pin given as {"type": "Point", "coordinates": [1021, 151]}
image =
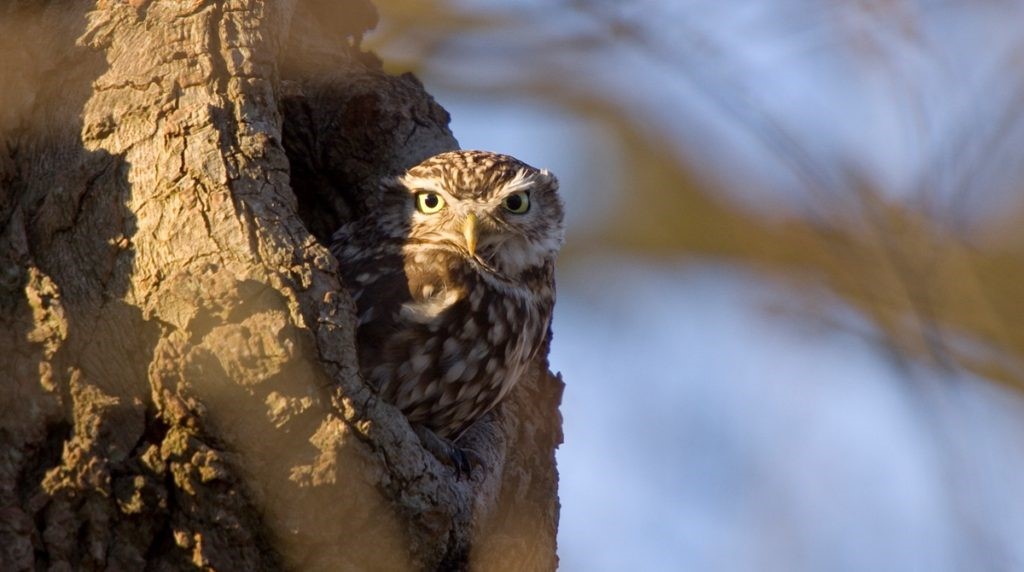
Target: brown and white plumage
{"type": "Point", "coordinates": [452, 272]}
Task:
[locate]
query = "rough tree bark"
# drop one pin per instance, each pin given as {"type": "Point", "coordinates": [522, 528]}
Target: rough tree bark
{"type": "Point", "coordinates": [179, 383]}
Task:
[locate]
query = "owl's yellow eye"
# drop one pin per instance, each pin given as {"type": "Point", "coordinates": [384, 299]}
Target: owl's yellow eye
{"type": "Point", "coordinates": [429, 202]}
{"type": "Point", "coordinates": [517, 203]}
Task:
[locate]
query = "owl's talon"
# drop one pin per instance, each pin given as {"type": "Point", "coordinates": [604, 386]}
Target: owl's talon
{"type": "Point", "coordinates": [459, 462]}
{"type": "Point", "coordinates": [463, 461]}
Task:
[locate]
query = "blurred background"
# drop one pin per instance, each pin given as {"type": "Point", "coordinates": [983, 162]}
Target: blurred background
{"type": "Point", "coordinates": [791, 304]}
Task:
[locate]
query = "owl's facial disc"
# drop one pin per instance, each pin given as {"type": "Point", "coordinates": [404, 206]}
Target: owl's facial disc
{"type": "Point", "coordinates": [490, 208]}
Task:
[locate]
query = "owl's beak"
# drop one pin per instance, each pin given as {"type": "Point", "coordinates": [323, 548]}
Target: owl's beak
{"type": "Point", "coordinates": [469, 230]}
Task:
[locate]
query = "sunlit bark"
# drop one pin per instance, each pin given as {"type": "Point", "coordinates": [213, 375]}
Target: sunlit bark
{"type": "Point", "coordinates": [179, 379]}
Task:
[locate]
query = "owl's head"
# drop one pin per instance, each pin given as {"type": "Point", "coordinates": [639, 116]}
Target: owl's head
{"type": "Point", "coordinates": [487, 206]}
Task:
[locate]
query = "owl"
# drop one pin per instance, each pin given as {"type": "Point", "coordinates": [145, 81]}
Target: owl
{"type": "Point", "coordinates": [452, 272]}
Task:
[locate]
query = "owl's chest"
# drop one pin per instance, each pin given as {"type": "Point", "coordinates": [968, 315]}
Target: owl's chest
{"type": "Point", "coordinates": [483, 344]}
{"type": "Point", "coordinates": [443, 342]}
{"type": "Point", "coordinates": [482, 321]}
{"type": "Point", "coordinates": [475, 338]}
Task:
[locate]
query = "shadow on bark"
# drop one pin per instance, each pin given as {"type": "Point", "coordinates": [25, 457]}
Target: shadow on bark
{"type": "Point", "coordinates": [180, 387]}
{"type": "Point", "coordinates": [92, 476]}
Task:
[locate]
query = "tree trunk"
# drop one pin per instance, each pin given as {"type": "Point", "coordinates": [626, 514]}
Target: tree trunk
{"type": "Point", "coordinates": [179, 380]}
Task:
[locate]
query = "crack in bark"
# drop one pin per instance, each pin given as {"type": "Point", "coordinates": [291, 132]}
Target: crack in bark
{"type": "Point", "coordinates": [225, 335]}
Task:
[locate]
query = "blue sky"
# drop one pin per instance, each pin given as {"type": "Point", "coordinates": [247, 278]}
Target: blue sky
{"type": "Point", "coordinates": [706, 429]}
{"type": "Point", "coordinates": [714, 420]}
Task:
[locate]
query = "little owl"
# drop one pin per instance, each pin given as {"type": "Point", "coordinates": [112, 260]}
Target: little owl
{"type": "Point", "coordinates": [452, 272]}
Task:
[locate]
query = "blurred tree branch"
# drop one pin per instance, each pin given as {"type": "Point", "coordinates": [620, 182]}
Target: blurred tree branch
{"type": "Point", "coordinates": [933, 269]}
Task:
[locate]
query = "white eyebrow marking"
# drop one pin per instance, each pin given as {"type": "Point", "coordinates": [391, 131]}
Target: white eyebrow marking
{"type": "Point", "coordinates": [422, 184]}
{"type": "Point", "coordinates": [523, 180]}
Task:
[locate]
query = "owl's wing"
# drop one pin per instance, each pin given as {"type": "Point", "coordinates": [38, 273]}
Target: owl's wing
{"type": "Point", "coordinates": [374, 275]}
